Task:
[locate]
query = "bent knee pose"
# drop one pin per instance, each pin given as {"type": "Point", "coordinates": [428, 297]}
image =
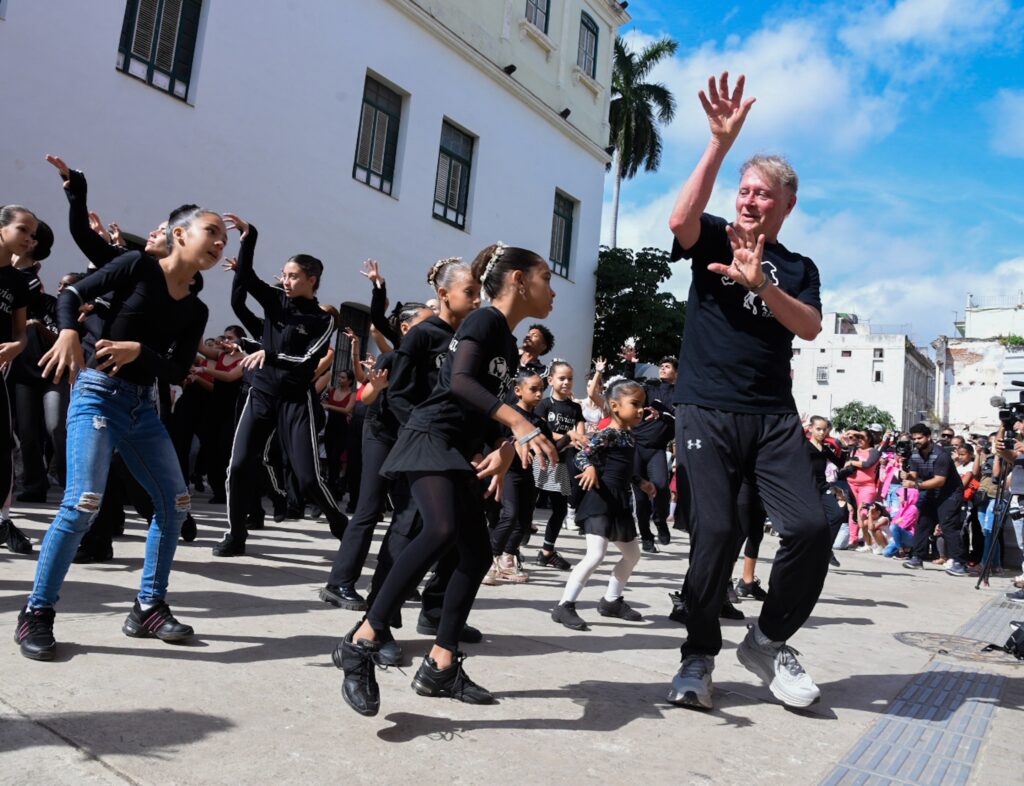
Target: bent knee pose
{"type": "Point", "coordinates": [441, 450]}
{"type": "Point", "coordinates": [296, 335]}
{"type": "Point", "coordinates": [735, 416]}
{"type": "Point", "coordinates": [154, 324]}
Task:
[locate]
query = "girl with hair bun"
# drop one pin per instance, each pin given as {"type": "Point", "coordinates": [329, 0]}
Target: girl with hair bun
{"type": "Point", "coordinates": [452, 455]}
{"type": "Point", "coordinates": [296, 336]}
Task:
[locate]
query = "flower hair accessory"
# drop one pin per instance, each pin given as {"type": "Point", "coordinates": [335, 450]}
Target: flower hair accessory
{"type": "Point", "coordinates": [499, 249]}
{"type": "Point", "coordinates": [437, 267]}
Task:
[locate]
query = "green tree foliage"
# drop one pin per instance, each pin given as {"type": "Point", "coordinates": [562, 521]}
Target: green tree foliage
{"type": "Point", "coordinates": [629, 304]}
{"type": "Point", "coordinates": [859, 415]}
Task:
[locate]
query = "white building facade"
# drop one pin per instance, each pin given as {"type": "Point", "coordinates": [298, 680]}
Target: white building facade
{"type": "Point", "coordinates": [399, 130]}
{"type": "Point", "coordinates": [847, 362]}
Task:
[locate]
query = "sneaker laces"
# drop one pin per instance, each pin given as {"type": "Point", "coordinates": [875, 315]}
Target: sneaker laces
{"type": "Point", "coordinates": [786, 659]}
{"type": "Point", "coordinates": [37, 621]}
{"type": "Point", "coordinates": [462, 681]}
{"type": "Point", "coordinates": [694, 666]}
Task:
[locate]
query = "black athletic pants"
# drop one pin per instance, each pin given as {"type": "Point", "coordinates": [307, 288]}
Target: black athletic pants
{"type": "Point", "coordinates": [718, 450]}
{"type": "Point", "coordinates": [751, 517]}
{"type": "Point", "coordinates": [295, 423]}
{"type": "Point", "coordinates": [355, 545]}
{"type": "Point", "coordinates": [651, 464]}
{"type": "Point", "coordinates": [559, 509]}
{"type": "Point", "coordinates": [453, 520]}
{"type": "Point", "coordinates": [946, 514]}
{"type": "Point", "coordinates": [518, 495]}
{"type": "Point", "coordinates": [6, 443]}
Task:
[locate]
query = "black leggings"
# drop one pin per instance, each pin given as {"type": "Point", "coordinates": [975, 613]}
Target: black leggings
{"type": "Point", "coordinates": [751, 514]}
{"type": "Point", "coordinates": [355, 545]}
{"type": "Point", "coordinates": [518, 495]}
{"type": "Point", "coordinates": [7, 440]}
{"type": "Point", "coordinates": [559, 508]}
{"type": "Point", "coordinates": [651, 464]}
{"type": "Point", "coordinates": [450, 503]}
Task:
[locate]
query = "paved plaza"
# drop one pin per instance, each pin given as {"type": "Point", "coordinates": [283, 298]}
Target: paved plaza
{"type": "Point", "coordinates": [907, 695]}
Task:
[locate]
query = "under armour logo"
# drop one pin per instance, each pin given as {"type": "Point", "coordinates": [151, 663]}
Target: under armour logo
{"type": "Point", "coordinates": [693, 443]}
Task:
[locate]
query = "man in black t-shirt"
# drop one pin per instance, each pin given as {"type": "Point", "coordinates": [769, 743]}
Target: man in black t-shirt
{"type": "Point", "coordinates": [931, 471]}
{"type": "Point", "coordinates": [735, 415]}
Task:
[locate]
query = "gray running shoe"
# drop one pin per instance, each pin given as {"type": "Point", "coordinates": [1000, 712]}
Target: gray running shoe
{"type": "Point", "coordinates": [691, 687]}
{"type": "Point", "coordinates": [780, 670]}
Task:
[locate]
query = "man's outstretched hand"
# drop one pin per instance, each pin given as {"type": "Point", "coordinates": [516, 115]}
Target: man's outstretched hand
{"type": "Point", "coordinates": [725, 112]}
{"type": "Point", "coordinates": [747, 256]}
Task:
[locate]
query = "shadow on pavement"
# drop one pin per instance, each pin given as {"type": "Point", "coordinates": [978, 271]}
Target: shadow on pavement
{"type": "Point", "coordinates": [154, 733]}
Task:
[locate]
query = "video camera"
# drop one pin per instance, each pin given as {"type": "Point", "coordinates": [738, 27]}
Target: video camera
{"type": "Point", "coordinates": [1009, 412]}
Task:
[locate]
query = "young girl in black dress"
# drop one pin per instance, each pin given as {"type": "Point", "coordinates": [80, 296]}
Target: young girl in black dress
{"type": "Point", "coordinates": [519, 492]}
{"type": "Point", "coordinates": [442, 452]}
{"type": "Point", "coordinates": [605, 511]}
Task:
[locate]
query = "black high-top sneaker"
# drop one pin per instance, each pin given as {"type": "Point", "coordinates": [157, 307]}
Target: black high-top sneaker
{"type": "Point", "coordinates": [157, 622]}
{"type": "Point", "coordinates": [359, 661]}
{"type": "Point", "coordinates": [452, 683]}
{"type": "Point", "coordinates": [34, 633]}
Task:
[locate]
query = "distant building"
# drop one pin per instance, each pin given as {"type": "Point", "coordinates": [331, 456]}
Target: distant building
{"type": "Point", "coordinates": [402, 130]}
{"type": "Point", "coordinates": [848, 361]}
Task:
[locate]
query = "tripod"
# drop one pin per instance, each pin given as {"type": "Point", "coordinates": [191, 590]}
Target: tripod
{"type": "Point", "coordinates": [1001, 500]}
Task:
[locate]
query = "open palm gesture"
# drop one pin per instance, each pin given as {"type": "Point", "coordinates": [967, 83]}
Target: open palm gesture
{"type": "Point", "coordinates": [725, 112]}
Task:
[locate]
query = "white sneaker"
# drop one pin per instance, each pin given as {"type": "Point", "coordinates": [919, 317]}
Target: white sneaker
{"type": "Point", "coordinates": [780, 670]}
{"type": "Point", "coordinates": [877, 550]}
{"type": "Point", "coordinates": [691, 687]}
{"type": "Point", "coordinates": [865, 547]}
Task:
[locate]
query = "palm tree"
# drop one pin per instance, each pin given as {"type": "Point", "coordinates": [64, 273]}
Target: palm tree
{"type": "Point", "coordinates": [637, 107]}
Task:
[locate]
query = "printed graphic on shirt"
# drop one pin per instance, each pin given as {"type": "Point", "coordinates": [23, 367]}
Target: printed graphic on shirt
{"type": "Point", "coordinates": [753, 303]}
{"type": "Point", "coordinates": [439, 359]}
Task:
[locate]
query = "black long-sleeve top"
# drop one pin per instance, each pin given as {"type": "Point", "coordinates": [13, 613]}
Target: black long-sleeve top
{"type": "Point", "coordinates": [296, 332]}
{"type": "Point", "coordinates": [141, 309]}
{"type": "Point", "coordinates": [656, 432]}
{"type": "Point", "coordinates": [379, 316]}
{"type": "Point", "coordinates": [820, 459]}
{"type": "Point", "coordinates": [417, 365]}
{"type": "Point", "coordinates": [472, 384]}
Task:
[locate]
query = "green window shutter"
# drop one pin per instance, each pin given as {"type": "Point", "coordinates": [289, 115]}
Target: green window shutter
{"type": "Point", "coordinates": [380, 141]}
{"type": "Point", "coordinates": [377, 142]}
{"type": "Point", "coordinates": [365, 143]}
{"type": "Point", "coordinates": [145, 29]}
{"type": "Point", "coordinates": [441, 182]}
{"type": "Point", "coordinates": [158, 42]}
{"type": "Point", "coordinates": [167, 38]}
{"type": "Point", "coordinates": [451, 186]}
{"type": "Point", "coordinates": [561, 235]}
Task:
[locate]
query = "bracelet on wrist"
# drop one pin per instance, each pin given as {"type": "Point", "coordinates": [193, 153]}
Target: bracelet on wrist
{"type": "Point", "coordinates": [527, 437]}
{"type": "Point", "coordinates": [760, 287]}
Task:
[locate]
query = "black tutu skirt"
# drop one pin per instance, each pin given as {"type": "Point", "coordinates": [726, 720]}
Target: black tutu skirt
{"type": "Point", "coordinates": [608, 513]}
{"type": "Point", "coordinates": [421, 451]}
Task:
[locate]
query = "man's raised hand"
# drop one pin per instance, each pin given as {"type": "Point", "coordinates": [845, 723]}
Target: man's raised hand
{"type": "Point", "coordinates": [746, 260]}
{"type": "Point", "coordinates": [725, 112]}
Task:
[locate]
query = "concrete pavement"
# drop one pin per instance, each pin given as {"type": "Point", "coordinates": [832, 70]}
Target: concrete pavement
{"type": "Point", "coordinates": [255, 699]}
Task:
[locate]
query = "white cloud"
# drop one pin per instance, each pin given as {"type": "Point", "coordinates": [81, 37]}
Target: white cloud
{"type": "Point", "coordinates": [1006, 112]}
{"type": "Point", "coordinates": [952, 25]}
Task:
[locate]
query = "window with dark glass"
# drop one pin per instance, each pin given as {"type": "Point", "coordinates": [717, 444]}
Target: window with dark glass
{"type": "Point", "coordinates": [561, 235]}
{"type": "Point", "coordinates": [451, 186]}
{"type": "Point", "coordinates": [158, 43]}
{"type": "Point", "coordinates": [377, 143]}
{"type": "Point", "coordinates": [586, 58]}
{"type": "Point", "coordinates": [537, 13]}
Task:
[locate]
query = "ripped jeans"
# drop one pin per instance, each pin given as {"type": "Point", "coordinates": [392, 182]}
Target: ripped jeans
{"type": "Point", "coordinates": [108, 414]}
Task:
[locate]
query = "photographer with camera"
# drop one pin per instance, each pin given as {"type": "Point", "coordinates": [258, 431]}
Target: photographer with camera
{"type": "Point", "coordinates": [930, 470]}
{"type": "Point", "coordinates": [1009, 452]}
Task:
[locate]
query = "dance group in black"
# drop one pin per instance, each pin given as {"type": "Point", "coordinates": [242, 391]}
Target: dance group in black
{"type": "Point", "coordinates": [463, 427]}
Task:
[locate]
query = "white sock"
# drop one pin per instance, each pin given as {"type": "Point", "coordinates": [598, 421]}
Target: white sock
{"type": "Point", "coordinates": [572, 591]}
{"type": "Point", "coordinates": [671, 510]}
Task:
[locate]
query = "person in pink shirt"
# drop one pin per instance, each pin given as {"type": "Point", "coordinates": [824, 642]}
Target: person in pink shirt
{"type": "Point", "coordinates": [863, 480]}
{"type": "Point", "coordinates": [903, 525]}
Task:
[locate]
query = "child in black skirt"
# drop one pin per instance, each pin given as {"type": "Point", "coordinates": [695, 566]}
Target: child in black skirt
{"type": "Point", "coordinates": [605, 511]}
{"type": "Point", "coordinates": [441, 450]}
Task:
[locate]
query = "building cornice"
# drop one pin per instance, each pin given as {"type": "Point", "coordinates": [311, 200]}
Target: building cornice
{"type": "Point", "coordinates": [426, 20]}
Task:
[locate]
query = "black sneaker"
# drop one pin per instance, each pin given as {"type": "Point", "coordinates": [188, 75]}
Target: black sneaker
{"type": "Point", "coordinates": [359, 662]}
{"type": "Point", "coordinates": [390, 654]}
{"type": "Point", "coordinates": [188, 529]}
{"type": "Point", "coordinates": [552, 560]}
{"type": "Point", "coordinates": [157, 622]}
{"type": "Point", "coordinates": [1016, 597]}
{"type": "Point", "coordinates": [730, 612]}
{"type": "Point", "coordinates": [914, 563]}
{"type": "Point", "coordinates": [565, 614]}
{"type": "Point", "coordinates": [618, 608]}
{"type": "Point", "coordinates": [832, 559]}
{"type": "Point", "coordinates": [679, 611]}
{"type": "Point", "coordinates": [344, 597]}
{"type": "Point", "coordinates": [13, 538]}
{"type": "Point", "coordinates": [427, 627]}
{"type": "Point", "coordinates": [34, 633]}
{"type": "Point", "coordinates": [452, 683]}
{"type": "Point", "coordinates": [648, 546]}
{"type": "Point", "coordinates": [229, 547]}
{"type": "Point", "coordinates": [752, 590]}
{"type": "Point", "coordinates": [664, 537]}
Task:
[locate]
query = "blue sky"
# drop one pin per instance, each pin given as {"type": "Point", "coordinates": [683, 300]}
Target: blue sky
{"type": "Point", "coordinates": [904, 120]}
